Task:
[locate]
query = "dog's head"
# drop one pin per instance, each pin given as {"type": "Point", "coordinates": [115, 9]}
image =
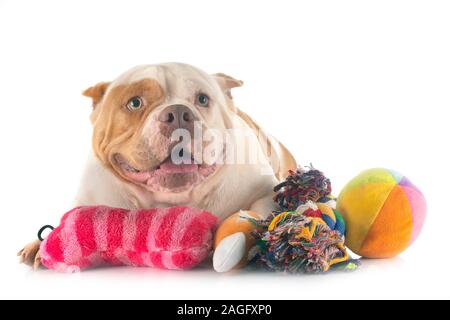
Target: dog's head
{"type": "Point", "coordinates": [149, 124]}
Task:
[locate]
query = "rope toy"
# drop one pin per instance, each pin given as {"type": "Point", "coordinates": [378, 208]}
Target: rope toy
{"type": "Point", "coordinates": [330, 216]}
{"type": "Point", "coordinates": [290, 241]}
{"type": "Point", "coordinates": [307, 235]}
{"type": "Point", "coordinates": [301, 186]}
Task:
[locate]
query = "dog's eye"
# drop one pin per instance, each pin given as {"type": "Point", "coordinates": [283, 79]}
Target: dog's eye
{"type": "Point", "coordinates": [134, 103]}
{"type": "Point", "coordinates": [202, 100]}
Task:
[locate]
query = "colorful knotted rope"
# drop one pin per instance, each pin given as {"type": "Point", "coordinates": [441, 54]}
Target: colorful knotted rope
{"type": "Point", "coordinates": [302, 186]}
{"type": "Point", "coordinates": [295, 243]}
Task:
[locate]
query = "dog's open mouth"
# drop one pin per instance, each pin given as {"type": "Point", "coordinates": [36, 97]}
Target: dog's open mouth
{"type": "Point", "coordinates": [167, 176]}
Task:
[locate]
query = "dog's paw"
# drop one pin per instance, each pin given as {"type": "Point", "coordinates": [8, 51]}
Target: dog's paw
{"type": "Point", "coordinates": [30, 254]}
{"type": "Point", "coordinates": [37, 261]}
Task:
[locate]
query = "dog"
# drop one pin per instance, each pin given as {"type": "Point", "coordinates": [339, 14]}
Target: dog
{"type": "Point", "coordinates": [170, 134]}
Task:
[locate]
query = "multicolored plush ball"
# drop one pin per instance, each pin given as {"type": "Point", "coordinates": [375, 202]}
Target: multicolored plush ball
{"type": "Point", "coordinates": [384, 213]}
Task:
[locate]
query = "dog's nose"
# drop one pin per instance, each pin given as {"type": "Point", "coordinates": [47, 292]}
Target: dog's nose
{"type": "Point", "coordinates": [178, 115]}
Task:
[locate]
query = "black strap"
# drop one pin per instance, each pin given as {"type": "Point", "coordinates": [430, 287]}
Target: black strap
{"type": "Point", "coordinates": [41, 230]}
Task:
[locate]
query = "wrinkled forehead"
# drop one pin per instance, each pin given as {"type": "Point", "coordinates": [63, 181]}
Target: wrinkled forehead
{"type": "Point", "coordinates": [175, 78]}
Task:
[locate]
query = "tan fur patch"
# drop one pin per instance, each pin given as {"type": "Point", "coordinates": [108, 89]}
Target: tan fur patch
{"type": "Point", "coordinates": [285, 160]}
{"type": "Point", "coordinates": [118, 130]}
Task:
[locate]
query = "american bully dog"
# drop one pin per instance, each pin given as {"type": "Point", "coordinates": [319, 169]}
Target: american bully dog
{"type": "Point", "coordinates": [170, 134]}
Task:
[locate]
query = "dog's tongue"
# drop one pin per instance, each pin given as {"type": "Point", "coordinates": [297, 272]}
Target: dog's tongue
{"type": "Point", "coordinates": [170, 167]}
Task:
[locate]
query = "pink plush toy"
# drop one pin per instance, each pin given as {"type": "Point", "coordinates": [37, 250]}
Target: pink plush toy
{"type": "Point", "coordinates": [172, 238]}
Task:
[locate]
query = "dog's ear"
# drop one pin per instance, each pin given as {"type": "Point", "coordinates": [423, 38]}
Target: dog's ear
{"type": "Point", "coordinates": [227, 83]}
{"type": "Point", "coordinates": [96, 92]}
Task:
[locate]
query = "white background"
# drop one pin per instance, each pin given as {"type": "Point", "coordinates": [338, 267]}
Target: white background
{"type": "Point", "coordinates": [346, 85]}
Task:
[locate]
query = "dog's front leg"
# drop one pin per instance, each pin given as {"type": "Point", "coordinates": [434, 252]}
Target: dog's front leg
{"type": "Point", "coordinates": [264, 206]}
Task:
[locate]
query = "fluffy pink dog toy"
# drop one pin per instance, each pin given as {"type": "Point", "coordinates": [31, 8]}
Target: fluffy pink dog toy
{"type": "Point", "coordinates": [172, 238]}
